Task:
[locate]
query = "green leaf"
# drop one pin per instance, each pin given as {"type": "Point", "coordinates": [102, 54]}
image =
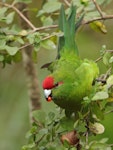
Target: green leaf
{"type": "Point", "coordinates": [67, 123]}
{"type": "Point", "coordinates": [91, 14]}
{"type": "Point", "coordinates": [66, 144]}
{"type": "Point", "coordinates": [111, 59]}
{"type": "Point", "coordinates": [24, 1]}
{"type": "Point", "coordinates": [2, 44]}
{"type": "Point", "coordinates": [47, 21]}
{"type": "Point", "coordinates": [104, 140]}
{"type": "Point", "coordinates": [100, 96]}
{"type": "Point", "coordinates": [48, 44]}
{"type": "Point", "coordinates": [96, 128]}
{"type": "Point", "coordinates": [1, 58]}
{"type": "Point", "coordinates": [51, 115]}
{"type": "Point", "coordinates": [39, 116]}
{"type": "Point", "coordinates": [20, 40]}
{"type": "Point", "coordinates": [31, 132]}
{"type": "Point", "coordinates": [10, 17]}
{"type": "Point", "coordinates": [41, 133]}
{"type": "Point", "coordinates": [51, 6]}
{"type": "Point", "coordinates": [84, 2]}
{"type": "Point", "coordinates": [106, 58]}
{"type": "Point", "coordinates": [11, 50]}
{"type": "Point", "coordinates": [97, 113]}
{"type": "Point", "coordinates": [110, 81]}
{"type": "Point", "coordinates": [99, 146]}
{"type": "Point", "coordinates": [29, 146]}
{"type": "Point", "coordinates": [17, 57]}
{"type": "Point", "coordinates": [2, 12]}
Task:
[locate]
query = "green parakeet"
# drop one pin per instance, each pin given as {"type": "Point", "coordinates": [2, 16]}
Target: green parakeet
{"type": "Point", "coordinates": [71, 78]}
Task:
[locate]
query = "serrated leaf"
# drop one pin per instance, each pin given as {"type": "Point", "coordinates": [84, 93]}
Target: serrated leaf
{"type": "Point", "coordinates": [104, 140]}
{"type": "Point", "coordinates": [41, 133]}
{"type": "Point", "coordinates": [20, 40]}
{"type": "Point", "coordinates": [106, 58]}
{"type": "Point", "coordinates": [31, 132]}
{"type": "Point", "coordinates": [100, 96]}
{"type": "Point", "coordinates": [31, 38]}
{"type": "Point", "coordinates": [51, 115]}
{"type": "Point", "coordinates": [39, 116]}
{"type": "Point", "coordinates": [11, 50]}
{"type": "Point", "coordinates": [48, 44]}
{"type": "Point", "coordinates": [96, 128]}
{"type": "Point", "coordinates": [91, 14]}
{"type": "Point", "coordinates": [51, 6]}
{"type": "Point", "coordinates": [47, 21]}
{"type": "Point", "coordinates": [100, 146]}
{"type": "Point", "coordinates": [1, 58]}
{"type": "Point", "coordinates": [67, 123]}
{"type": "Point", "coordinates": [29, 146]}
{"type": "Point", "coordinates": [2, 12]}
{"type": "Point", "coordinates": [111, 60]}
{"type": "Point", "coordinates": [17, 57]}
{"type": "Point", "coordinates": [110, 80]}
{"type": "Point", "coordinates": [97, 113]}
{"type": "Point", "coordinates": [2, 44]}
{"type": "Point", "coordinates": [10, 17]}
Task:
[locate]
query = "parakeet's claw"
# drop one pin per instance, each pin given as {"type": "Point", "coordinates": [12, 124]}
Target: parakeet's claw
{"type": "Point", "coordinates": [101, 80]}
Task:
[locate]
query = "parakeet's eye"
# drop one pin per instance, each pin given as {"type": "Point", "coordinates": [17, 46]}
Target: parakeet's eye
{"type": "Point", "coordinates": [48, 95]}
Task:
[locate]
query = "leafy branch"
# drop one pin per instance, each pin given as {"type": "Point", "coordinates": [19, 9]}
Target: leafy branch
{"type": "Point", "coordinates": [35, 29]}
{"type": "Point", "coordinates": [50, 130]}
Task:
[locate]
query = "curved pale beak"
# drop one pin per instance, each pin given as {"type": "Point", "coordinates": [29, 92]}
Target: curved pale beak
{"type": "Point", "coordinates": [48, 95]}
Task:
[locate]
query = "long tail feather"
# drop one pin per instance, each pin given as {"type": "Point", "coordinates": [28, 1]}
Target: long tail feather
{"type": "Point", "coordinates": [68, 27]}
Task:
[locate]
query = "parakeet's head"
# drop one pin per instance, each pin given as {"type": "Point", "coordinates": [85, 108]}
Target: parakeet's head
{"type": "Point", "coordinates": [48, 84]}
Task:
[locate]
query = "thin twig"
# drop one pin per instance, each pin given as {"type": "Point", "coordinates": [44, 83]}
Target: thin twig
{"type": "Point", "coordinates": [98, 18]}
{"type": "Point", "coordinates": [20, 14]}
{"type": "Point", "coordinates": [47, 37]}
{"type": "Point", "coordinates": [66, 2]}
{"type": "Point", "coordinates": [98, 8]}
{"type": "Point", "coordinates": [22, 47]}
{"type": "Point", "coordinates": [83, 23]}
{"type": "Point", "coordinates": [29, 44]}
{"type": "Point", "coordinates": [98, 59]}
{"type": "Point", "coordinates": [34, 29]}
{"type": "Point", "coordinates": [13, 3]}
{"type": "Point", "coordinates": [107, 73]}
{"type": "Point", "coordinates": [43, 28]}
{"type": "Point", "coordinates": [108, 112]}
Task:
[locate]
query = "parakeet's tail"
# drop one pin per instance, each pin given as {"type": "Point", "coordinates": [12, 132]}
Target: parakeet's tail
{"type": "Point", "coordinates": [68, 27]}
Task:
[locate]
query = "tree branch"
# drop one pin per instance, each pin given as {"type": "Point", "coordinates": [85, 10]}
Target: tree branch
{"type": "Point", "coordinates": [67, 3]}
{"type": "Point", "coordinates": [98, 59]}
{"type": "Point", "coordinates": [98, 8]}
{"type": "Point", "coordinates": [83, 23]}
{"type": "Point", "coordinates": [35, 29]}
{"type": "Point", "coordinates": [20, 14]}
{"type": "Point", "coordinates": [98, 18]}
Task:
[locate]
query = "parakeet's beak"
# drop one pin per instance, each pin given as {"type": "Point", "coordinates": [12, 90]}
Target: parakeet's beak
{"type": "Point", "coordinates": [48, 95]}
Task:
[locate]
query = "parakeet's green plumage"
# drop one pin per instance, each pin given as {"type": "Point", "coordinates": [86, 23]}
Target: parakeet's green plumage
{"type": "Point", "coordinates": [75, 74]}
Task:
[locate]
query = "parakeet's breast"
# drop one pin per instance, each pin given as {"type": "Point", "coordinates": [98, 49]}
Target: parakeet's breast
{"type": "Point", "coordinates": [77, 77]}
